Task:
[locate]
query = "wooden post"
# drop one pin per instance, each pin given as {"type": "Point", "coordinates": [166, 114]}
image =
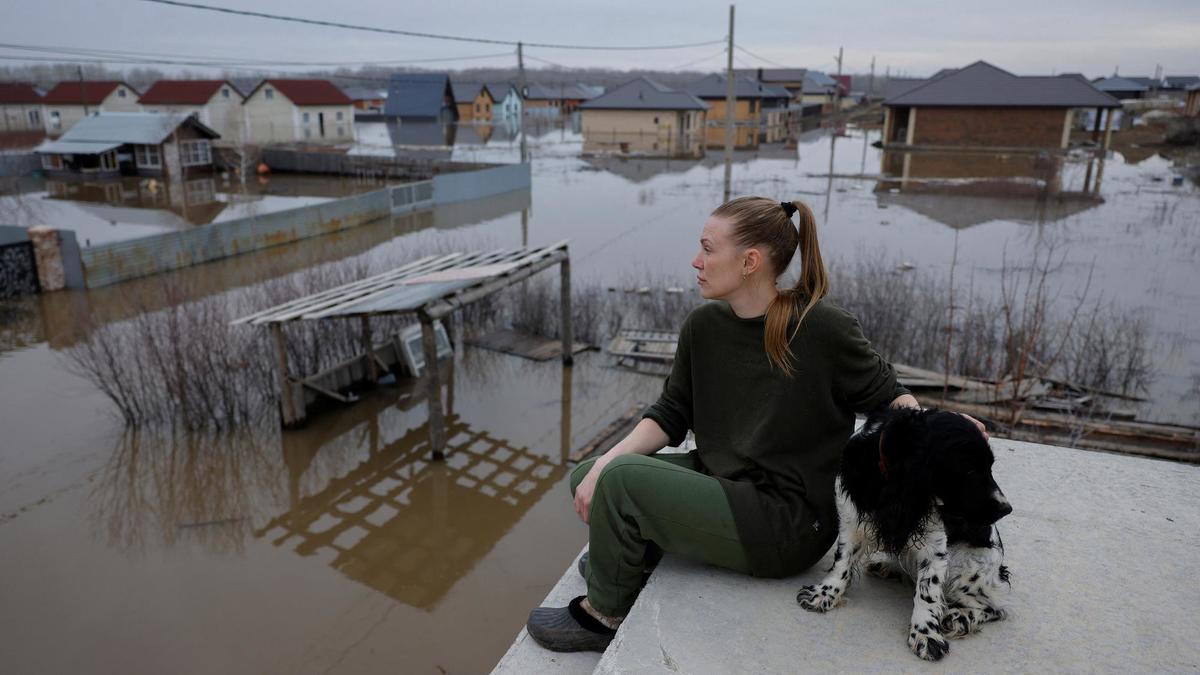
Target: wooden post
{"type": "Point", "coordinates": [369, 350]}
{"type": "Point", "coordinates": [433, 388]}
{"type": "Point", "coordinates": [564, 302]}
{"type": "Point", "coordinates": [286, 406]}
{"type": "Point", "coordinates": [565, 424]}
{"type": "Point", "coordinates": [1108, 122]}
{"type": "Point", "coordinates": [1096, 125]}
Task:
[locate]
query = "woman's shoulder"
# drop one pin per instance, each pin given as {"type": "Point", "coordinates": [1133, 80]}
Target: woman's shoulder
{"type": "Point", "coordinates": [707, 313]}
{"type": "Point", "coordinates": [829, 318]}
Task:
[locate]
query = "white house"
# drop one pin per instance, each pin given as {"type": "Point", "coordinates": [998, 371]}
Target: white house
{"type": "Point", "coordinates": [298, 111]}
{"type": "Point", "coordinates": [216, 103]}
{"type": "Point", "coordinates": [68, 102]}
{"type": "Point", "coordinates": [508, 101]}
{"type": "Point", "coordinates": [20, 108]}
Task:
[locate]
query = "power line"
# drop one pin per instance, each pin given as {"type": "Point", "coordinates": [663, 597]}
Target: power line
{"type": "Point", "coordinates": [692, 63]}
{"type": "Point", "coordinates": [153, 57]}
{"type": "Point", "coordinates": [410, 33]}
{"type": "Point", "coordinates": [764, 60]}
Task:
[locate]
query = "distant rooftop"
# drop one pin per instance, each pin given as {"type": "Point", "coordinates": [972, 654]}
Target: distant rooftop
{"type": "Point", "coordinates": [105, 131]}
{"type": "Point", "coordinates": [83, 93]}
{"type": "Point", "coordinates": [184, 92]}
{"type": "Point", "coordinates": [309, 92]}
{"type": "Point", "coordinates": [417, 94]}
{"type": "Point", "coordinates": [1119, 84]}
{"type": "Point", "coordinates": [19, 92]}
{"type": "Point", "coordinates": [466, 92]}
{"type": "Point", "coordinates": [644, 94]}
{"type": "Point", "coordinates": [982, 84]}
{"type": "Point", "coordinates": [716, 86]}
{"type": "Point", "coordinates": [1181, 81]}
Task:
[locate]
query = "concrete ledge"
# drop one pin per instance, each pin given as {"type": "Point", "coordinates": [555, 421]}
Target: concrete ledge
{"type": "Point", "coordinates": [1103, 552]}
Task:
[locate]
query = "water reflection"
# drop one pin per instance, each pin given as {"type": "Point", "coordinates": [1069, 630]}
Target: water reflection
{"type": "Point", "coordinates": [143, 201]}
{"type": "Point", "coordinates": [962, 189]}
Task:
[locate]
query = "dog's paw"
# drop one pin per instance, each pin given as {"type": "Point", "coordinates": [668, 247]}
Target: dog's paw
{"type": "Point", "coordinates": [927, 643]}
{"type": "Point", "coordinates": [818, 598]}
{"type": "Point", "coordinates": [957, 623]}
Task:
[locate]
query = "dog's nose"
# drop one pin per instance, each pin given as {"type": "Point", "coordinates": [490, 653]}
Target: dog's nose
{"type": "Point", "coordinates": [1003, 508]}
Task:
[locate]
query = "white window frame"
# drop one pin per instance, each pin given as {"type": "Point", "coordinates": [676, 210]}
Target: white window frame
{"type": "Point", "coordinates": [269, 94]}
{"type": "Point", "coordinates": [143, 155]}
{"type": "Point", "coordinates": [52, 162]}
{"type": "Point", "coordinates": [120, 92]}
{"type": "Point", "coordinates": [225, 92]}
{"type": "Point", "coordinates": [340, 116]}
{"type": "Point", "coordinates": [195, 152]}
{"type": "Point", "coordinates": [55, 119]}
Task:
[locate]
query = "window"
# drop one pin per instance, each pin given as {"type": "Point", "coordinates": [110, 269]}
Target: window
{"type": "Point", "coordinates": [269, 93]}
{"type": "Point", "coordinates": [51, 161]}
{"type": "Point", "coordinates": [656, 120]}
{"type": "Point", "coordinates": [305, 117]}
{"type": "Point", "coordinates": [108, 161]}
{"type": "Point", "coordinates": [477, 107]}
{"type": "Point", "coordinates": [147, 156]}
{"type": "Point", "coordinates": [195, 153]}
{"type": "Point", "coordinates": [225, 92]}
{"type": "Point", "coordinates": [753, 106]}
{"type": "Point", "coordinates": [35, 118]}
{"type": "Point", "coordinates": [339, 117]}
{"type": "Point", "coordinates": [55, 119]}
{"type": "Point", "coordinates": [121, 92]}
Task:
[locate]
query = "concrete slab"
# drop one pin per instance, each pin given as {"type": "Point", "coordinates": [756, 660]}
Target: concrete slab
{"type": "Point", "coordinates": [1103, 551]}
{"type": "Point", "coordinates": [526, 656]}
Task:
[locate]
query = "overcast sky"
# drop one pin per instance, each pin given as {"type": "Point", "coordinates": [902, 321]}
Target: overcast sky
{"type": "Point", "coordinates": [914, 37]}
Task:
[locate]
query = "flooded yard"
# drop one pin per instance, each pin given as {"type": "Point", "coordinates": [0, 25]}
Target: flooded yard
{"type": "Point", "coordinates": [339, 547]}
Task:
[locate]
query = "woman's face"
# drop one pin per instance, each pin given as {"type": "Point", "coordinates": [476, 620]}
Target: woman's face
{"type": "Point", "coordinates": [720, 260]}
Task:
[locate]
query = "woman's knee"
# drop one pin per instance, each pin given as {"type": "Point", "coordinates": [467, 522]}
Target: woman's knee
{"type": "Point", "coordinates": [623, 473]}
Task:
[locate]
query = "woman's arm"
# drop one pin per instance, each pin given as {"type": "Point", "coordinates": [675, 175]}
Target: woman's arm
{"type": "Point", "coordinates": [645, 439]}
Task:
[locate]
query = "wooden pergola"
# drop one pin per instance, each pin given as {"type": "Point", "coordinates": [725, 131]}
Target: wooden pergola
{"type": "Point", "coordinates": [431, 288]}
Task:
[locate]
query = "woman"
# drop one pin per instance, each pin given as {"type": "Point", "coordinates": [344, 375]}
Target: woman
{"type": "Point", "coordinates": [769, 380]}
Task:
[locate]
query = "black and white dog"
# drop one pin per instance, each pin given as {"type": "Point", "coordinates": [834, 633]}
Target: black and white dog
{"type": "Point", "coordinates": [916, 494]}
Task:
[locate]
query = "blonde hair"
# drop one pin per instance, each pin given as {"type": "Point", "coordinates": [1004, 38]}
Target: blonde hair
{"type": "Point", "coordinates": [758, 221]}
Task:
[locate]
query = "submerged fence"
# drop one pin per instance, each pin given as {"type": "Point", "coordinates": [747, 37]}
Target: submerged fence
{"type": "Point", "coordinates": [118, 261]}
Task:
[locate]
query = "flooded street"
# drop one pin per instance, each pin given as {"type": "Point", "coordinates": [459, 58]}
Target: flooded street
{"type": "Point", "coordinates": [339, 548]}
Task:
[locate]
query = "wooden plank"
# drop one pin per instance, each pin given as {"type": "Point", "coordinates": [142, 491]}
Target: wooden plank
{"type": "Point", "coordinates": [524, 345]}
{"type": "Point", "coordinates": [611, 434]}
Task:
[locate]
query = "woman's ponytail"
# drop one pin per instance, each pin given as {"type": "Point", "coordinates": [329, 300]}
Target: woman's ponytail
{"type": "Point", "coordinates": [810, 287]}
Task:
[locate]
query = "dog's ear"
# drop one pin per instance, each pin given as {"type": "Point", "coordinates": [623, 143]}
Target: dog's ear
{"type": "Point", "coordinates": [907, 497]}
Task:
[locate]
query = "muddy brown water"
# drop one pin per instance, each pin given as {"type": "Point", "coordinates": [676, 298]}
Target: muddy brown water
{"type": "Point", "coordinates": [340, 547]}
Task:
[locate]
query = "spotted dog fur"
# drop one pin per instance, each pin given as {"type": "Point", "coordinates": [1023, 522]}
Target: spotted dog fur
{"type": "Point", "coordinates": [916, 499]}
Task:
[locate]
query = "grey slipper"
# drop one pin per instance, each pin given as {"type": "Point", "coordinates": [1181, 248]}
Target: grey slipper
{"type": "Point", "coordinates": [568, 629]}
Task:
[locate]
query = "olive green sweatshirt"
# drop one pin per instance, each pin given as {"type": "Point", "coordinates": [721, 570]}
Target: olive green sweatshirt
{"type": "Point", "coordinates": [774, 442]}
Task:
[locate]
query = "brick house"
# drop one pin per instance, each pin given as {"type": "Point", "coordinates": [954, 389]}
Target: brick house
{"type": "Point", "coordinates": [216, 103]}
{"type": "Point", "coordinates": [20, 108]}
{"type": "Point", "coordinates": [1192, 106]}
{"type": "Point", "coordinates": [982, 106]}
{"type": "Point", "coordinates": [298, 111]}
{"type": "Point", "coordinates": [69, 102]}
{"type": "Point", "coordinates": [110, 145]}
{"type": "Point", "coordinates": [644, 117]}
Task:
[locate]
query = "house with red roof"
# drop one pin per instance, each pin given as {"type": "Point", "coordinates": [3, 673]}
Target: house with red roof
{"type": "Point", "coordinates": [20, 108]}
{"type": "Point", "coordinates": [216, 103]}
{"type": "Point", "coordinates": [298, 111]}
{"type": "Point", "coordinates": [69, 102]}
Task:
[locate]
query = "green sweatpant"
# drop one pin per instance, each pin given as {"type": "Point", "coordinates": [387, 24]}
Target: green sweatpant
{"type": "Point", "coordinates": [644, 506]}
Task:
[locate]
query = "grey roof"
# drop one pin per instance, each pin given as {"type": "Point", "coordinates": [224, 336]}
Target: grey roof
{"type": "Point", "coordinates": [1194, 87]}
{"type": "Point", "coordinates": [416, 95]}
{"type": "Point", "coordinates": [645, 94]}
{"type": "Point", "coordinates": [898, 85]}
{"type": "Point", "coordinates": [117, 128]}
{"type": "Point", "coordinates": [555, 92]}
{"type": "Point", "coordinates": [500, 89]}
{"type": "Point", "coordinates": [590, 90]}
{"type": "Point", "coordinates": [716, 85]}
{"type": "Point", "coordinates": [1148, 82]}
{"type": "Point", "coordinates": [1181, 81]}
{"type": "Point", "coordinates": [465, 92]}
{"type": "Point", "coordinates": [61, 147]}
{"type": "Point", "coordinates": [362, 93]}
{"type": "Point", "coordinates": [774, 74]}
{"type": "Point", "coordinates": [982, 84]}
{"type": "Point", "coordinates": [1119, 84]}
{"type": "Point", "coordinates": [816, 82]}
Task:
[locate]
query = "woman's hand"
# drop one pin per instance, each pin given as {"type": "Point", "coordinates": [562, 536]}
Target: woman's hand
{"type": "Point", "coordinates": [587, 487]}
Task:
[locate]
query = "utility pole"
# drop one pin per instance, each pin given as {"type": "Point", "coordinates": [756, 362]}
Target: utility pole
{"type": "Point", "coordinates": [521, 86]}
{"type": "Point", "coordinates": [82, 89]}
{"type": "Point", "coordinates": [837, 93]}
{"type": "Point", "coordinates": [730, 101]}
{"type": "Point", "coordinates": [871, 82]}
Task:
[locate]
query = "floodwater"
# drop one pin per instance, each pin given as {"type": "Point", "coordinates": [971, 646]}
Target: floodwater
{"type": "Point", "coordinates": [340, 547]}
{"type": "Point", "coordinates": [106, 211]}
